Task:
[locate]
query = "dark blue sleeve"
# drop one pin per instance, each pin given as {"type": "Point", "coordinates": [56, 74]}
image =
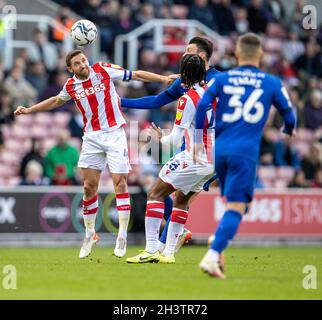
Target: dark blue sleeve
{"type": "Point", "coordinates": [149, 102]}
{"type": "Point", "coordinates": [174, 92]}
{"type": "Point", "coordinates": [283, 104]}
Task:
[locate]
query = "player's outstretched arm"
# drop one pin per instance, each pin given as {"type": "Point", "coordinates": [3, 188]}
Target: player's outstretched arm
{"type": "Point", "coordinates": [174, 92]}
{"type": "Point", "coordinates": [148, 102]}
{"type": "Point", "coordinates": [46, 105]}
{"type": "Point", "coordinates": [146, 76]}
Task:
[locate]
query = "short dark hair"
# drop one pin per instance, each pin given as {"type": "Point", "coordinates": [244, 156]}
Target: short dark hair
{"type": "Point", "coordinates": [203, 44]}
{"type": "Point", "coordinates": [192, 70]}
{"type": "Point", "coordinates": [71, 55]}
{"type": "Point", "coordinates": [249, 44]}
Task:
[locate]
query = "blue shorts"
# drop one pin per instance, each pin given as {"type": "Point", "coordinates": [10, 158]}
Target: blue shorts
{"type": "Point", "coordinates": [236, 177]}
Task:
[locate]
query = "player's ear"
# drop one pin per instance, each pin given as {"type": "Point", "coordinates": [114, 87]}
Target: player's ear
{"type": "Point", "coordinates": [237, 52]}
{"type": "Point", "coordinates": [261, 54]}
{"type": "Point", "coordinates": [70, 69]}
{"type": "Point", "coordinates": [202, 55]}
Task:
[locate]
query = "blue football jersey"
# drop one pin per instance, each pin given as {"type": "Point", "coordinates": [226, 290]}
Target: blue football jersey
{"type": "Point", "coordinates": [245, 95]}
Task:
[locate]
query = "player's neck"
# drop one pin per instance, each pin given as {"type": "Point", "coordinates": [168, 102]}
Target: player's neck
{"type": "Point", "coordinates": [242, 63]}
{"type": "Point", "coordinates": [207, 66]}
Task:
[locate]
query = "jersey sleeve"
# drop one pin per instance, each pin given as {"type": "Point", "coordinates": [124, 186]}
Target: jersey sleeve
{"type": "Point", "coordinates": [63, 94]}
{"type": "Point", "coordinates": [185, 113]}
{"type": "Point", "coordinates": [283, 104]}
{"type": "Point", "coordinates": [116, 72]}
{"type": "Point", "coordinates": [175, 91]}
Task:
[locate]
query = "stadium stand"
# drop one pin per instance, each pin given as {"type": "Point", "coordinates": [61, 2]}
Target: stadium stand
{"type": "Point", "coordinates": [292, 53]}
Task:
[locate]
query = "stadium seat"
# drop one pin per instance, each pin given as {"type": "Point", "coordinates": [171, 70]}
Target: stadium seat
{"type": "Point", "coordinates": [76, 142]}
{"type": "Point", "coordinates": [26, 120]}
{"type": "Point", "coordinates": [20, 131]}
{"type": "Point", "coordinates": [61, 119]}
{"type": "Point", "coordinates": [305, 135]}
{"type": "Point", "coordinates": [303, 148]}
{"type": "Point", "coordinates": [13, 181]}
{"type": "Point", "coordinates": [39, 131]}
{"type": "Point", "coordinates": [43, 118]}
{"type": "Point", "coordinates": [47, 144]}
{"type": "Point", "coordinates": [280, 183]}
{"type": "Point", "coordinates": [267, 173]}
{"type": "Point", "coordinates": [15, 145]}
{"type": "Point", "coordinates": [285, 173]}
{"type": "Point", "coordinates": [6, 171]}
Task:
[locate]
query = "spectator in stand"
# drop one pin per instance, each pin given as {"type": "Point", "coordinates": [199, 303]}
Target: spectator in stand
{"type": "Point", "coordinates": [44, 51]}
{"type": "Point", "coordinates": [299, 180]}
{"type": "Point", "coordinates": [313, 110]}
{"type": "Point", "coordinates": [285, 154]}
{"type": "Point", "coordinates": [60, 177]}
{"type": "Point", "coordinates": [223, 16]}
{"type": "Point", "coordinates": [38, 77]}
{"type": "Point", "coordinates": [267, 148]}
{"type": "Point", "coordinates": [34, 175]}
{"type": "Point", "coordinates": [33, 155]}
{"type": "Point", "coordinates": [257, 16]}
{"type": "Point", "coordinates": [6, 114]}
{"type": "Point", "coordinates": [20, 90]}
{"type": "Point", "coordinates": [312, 162]}
{"type": "Point", "coordinates": [309, 63]}
{"type": "Point", "coordinates": [76, 123]}
{"type": "Point", "coordinates": [293, 47]}
{"type": "Point", "coordinates": [54, 88]}
{"type": "Point", "coordinates": [176, 36]}
{"type": "Point", "coordinates": [62, 154]}
{"type": "Point", "coordinates": [125, 22]}
{"type": "Point", "coordinates": [317, 183]}
{"type": "Point", "coordinates": [201, 11]}
{"type": "Point", "coordinates": [276, 10]}
{"type": "Point", "coordinates": [63, 18]}
{"type": "Point", "coordinates": [241, 21]}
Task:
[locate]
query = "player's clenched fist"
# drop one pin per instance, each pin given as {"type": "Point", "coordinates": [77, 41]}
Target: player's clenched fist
{"type": "Point", "coordinates": [21, 110]}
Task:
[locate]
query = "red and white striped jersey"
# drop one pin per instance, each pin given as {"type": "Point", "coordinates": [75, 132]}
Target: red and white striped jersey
{"type": "Point", "coordinates": [96, 97]}
{"type": "Point", "coordinates": [185, 118]}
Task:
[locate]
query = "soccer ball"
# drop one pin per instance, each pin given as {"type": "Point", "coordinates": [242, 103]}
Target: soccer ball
{"type": "Point", "coordinates": [83, 32]}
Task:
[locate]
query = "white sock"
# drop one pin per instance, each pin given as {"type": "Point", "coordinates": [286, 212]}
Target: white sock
{"type": "Point", "coordinates": [213, 255]}
{"type": "Point", "coordinates": [161, 246]}
{"type": "Point", "coordinates": [153, 219]}
{"type": "Point", "coordinates": [174, 231]}
{"type": "Point", "coordinates": [176, 227]}
{"type": "Point", "coordinates": [124, 210]}
{"type": "Point", "coordinates": [90, 208]}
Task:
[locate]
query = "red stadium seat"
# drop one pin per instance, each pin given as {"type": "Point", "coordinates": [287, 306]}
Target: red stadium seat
{"type": "Point", "coordinates": [303, 148]}
{"type": "Point", "coordinates": [305, 135]}
{"type": "Point", "coordinates": [285, 173]}
{"type": "Point", "coordinates": [268, 173]}
{"type": "Point", "coordinates": [43, 118]}
{"type": "Point", "coordinates": [61, 119]}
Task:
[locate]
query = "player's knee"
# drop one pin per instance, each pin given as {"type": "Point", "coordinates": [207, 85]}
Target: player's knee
{"type": "Point", "coordinates": [237, 206]}
{"type": "Point", "coordinates": [90, 188]}
{"type": "Point", "coordinates": [120, 184]}
{"type": "Point", "coordinates": [155, 195]}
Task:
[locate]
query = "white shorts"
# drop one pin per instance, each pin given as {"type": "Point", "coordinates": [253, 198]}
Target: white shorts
{"type": "Point", "coordinates": [101, 149]}
{"type": "Point", "coordinates": [184, 175]}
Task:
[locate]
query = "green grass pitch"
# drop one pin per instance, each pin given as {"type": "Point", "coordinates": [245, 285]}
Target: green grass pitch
{"type": "Point", "coordinates": [252, 273]}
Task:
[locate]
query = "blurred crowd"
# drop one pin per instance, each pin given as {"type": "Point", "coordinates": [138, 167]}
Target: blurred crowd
{"type": "Point", "coordinates": [292, 53]}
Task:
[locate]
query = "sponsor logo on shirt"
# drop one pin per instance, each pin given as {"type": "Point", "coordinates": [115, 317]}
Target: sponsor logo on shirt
{"type": "Point", "coordinates": [89, 91]}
